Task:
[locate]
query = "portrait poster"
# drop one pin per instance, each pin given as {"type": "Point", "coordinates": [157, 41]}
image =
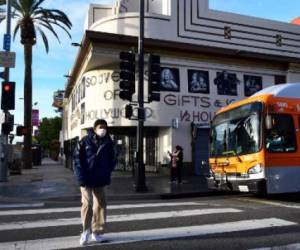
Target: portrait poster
{"type": "Point", "coordinates": [252, 84]}
{"type": "Point", "coordinates": [170, 80]}
{"type": "Point", "coordinates": [198, 81]}
{"type": "Point", "coordinates": [226, 83]}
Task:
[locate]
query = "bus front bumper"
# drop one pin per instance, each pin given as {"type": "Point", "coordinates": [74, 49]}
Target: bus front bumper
{"type": "Point", "coordinates": [240, 184]}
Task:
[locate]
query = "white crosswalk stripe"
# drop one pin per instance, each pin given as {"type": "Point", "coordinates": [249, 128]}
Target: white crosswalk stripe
{"type": "Point", "coordinates": [295, 246]}
{"type": "Point", "coordinates": [111, 207]}
{"type": "Point", "coordinates": [117, 218]}
{"type": "Point", "coordinates": [152, 234]}
{"type": "Point", "coordinates": [167, 211]}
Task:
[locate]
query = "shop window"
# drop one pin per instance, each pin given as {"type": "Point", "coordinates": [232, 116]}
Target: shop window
{"type": "Point", "coordinates": [279, 79]}
{"type": "Point", "coordinates": [252, 84]}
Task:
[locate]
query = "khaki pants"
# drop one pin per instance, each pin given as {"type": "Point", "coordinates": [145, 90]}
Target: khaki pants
{"type": "Point", "coordinates": [93, 209]}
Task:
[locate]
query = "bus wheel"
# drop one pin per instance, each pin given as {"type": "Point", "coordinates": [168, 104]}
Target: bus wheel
{"type": "Point", "coordinates": [229, 185]}
{"type": "Point", "coordinates": [262, 189]}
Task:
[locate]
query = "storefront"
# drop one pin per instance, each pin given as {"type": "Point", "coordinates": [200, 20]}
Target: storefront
{"type": "Point", "coordinates": [208, 58]}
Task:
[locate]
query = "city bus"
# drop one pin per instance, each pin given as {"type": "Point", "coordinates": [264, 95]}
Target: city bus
{"type": "Point", "coordinates": [255, 142]}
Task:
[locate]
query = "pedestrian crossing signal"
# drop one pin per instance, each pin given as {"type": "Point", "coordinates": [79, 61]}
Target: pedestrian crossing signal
{"type": "Point", "coordinates": [21, 130]}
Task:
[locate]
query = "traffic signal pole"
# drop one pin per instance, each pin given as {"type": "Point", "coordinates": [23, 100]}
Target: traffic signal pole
{"type": "Point", "coordinates": [140, 170]}
{"type": "Point", "coordinates": [4, 137]}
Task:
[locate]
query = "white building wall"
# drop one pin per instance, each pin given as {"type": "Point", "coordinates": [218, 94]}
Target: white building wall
{"type": "Point", "coordinates": [101, 100]}
{"type": "Point", "coordinates": [193, 22]}
{"type": "Point", "coordinates": [184, 22]}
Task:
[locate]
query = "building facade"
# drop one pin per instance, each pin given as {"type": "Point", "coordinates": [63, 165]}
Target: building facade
{"type": "Point", "coordinates": [209, 59]}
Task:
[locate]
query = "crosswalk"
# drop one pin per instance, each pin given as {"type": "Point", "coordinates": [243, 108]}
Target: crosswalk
{"type": "Point", "coordinates": [159, 216]}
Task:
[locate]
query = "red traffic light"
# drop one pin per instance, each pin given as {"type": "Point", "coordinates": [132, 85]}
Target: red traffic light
{"type": "Point", "coordinates": [8, 96]}
{"type": "Point", "coordinates": [6, 87]}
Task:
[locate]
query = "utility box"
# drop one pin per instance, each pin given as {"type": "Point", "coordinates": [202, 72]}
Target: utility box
{"type": "Point", "coordinates": [14, 158]}
{"type": "Point", "coordinates": [36, 155]}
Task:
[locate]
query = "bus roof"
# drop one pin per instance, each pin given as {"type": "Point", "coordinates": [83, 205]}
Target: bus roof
{"type": "Point", "coordinates": [287, 90]}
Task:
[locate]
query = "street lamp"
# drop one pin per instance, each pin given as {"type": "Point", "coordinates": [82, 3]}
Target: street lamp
{"type": "Point", "coordinates": [34, 104]}
{"type": "Point", "coordinates": [76, 44]}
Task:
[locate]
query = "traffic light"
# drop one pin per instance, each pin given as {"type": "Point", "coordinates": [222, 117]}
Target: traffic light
{"type": "Point", "coordinates": [154, 78]}
{"type": "Point", "coordinates": [128, 111]}
{"type": "Point", "coordinates": [127, 75]}
{"type": "Point", "coordinates": [21, 130]}
{"type": "Point", "coordinates": [8, 124]}
{"type": "Point", "coordinates": [8, 96]}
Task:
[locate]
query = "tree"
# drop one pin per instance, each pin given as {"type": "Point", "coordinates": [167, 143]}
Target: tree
{"type": "Point", "coordinates": [49, 131]}
{"type": "Point", "coordinates": [2, 10]}
{"type": "Point", "coordinates": [33, 18]}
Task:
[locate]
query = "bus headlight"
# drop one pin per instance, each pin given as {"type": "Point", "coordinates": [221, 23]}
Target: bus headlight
{"type": "Point", "coordinates": [258, 168]}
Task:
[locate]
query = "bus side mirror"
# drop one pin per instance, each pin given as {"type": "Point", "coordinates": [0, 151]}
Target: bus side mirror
{"type": "Point", "coordinates": [268, 122]}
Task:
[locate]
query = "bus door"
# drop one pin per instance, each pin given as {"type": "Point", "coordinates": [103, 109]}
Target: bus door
{"type": "Point", "coordinates": [200, 150]}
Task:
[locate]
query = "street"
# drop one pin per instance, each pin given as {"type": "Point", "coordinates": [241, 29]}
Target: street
{"type": "Point", "coordinates": [239, 221]}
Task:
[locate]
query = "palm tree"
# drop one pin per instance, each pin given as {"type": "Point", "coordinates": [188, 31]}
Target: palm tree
{"type": "Point", "coordinates": [2, 2]}
{"type": "Point", "coordinates": [32, 18]}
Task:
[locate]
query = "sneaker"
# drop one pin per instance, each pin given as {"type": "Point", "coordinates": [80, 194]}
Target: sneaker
{"type": "Point", "coordinates": [97, 237]}
{"type": "Point", "coordinates": [84, 238]}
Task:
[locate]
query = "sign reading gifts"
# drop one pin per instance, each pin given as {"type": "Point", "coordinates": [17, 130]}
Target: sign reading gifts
{"type": "Point", "coordinates": [96, 96]}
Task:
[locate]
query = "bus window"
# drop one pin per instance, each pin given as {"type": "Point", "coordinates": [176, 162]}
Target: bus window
{"type": "Point", "coordinates": [236, 132]}
{"type": "Point", "coordinates": [281, 137]}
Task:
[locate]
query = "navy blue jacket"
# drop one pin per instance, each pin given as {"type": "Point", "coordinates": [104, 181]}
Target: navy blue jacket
{"type": "Point", "coordinates": [93, 163]}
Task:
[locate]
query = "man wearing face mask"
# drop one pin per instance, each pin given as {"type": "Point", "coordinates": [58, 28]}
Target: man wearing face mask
{"type": "Point", "coordinates": [94, 160]}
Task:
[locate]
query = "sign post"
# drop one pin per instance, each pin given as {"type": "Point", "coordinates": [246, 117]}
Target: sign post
{"type": "Point", "coordinates": [140, 176]}
{"type": "Point", "coordinates": [4, 138]}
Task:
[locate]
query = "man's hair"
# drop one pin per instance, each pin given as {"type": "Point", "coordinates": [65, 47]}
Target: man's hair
{"type": "Point", "coordinates": [100, 122]}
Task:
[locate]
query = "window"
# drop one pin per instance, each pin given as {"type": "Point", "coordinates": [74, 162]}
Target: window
{"type": "Point", "coordinates": [236, 132]}
{"type": "Point", "coordinates": [279, 79]}
{"type": "Point", "coordinates": [281, 137]}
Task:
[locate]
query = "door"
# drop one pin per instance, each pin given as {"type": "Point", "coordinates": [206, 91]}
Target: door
{"type": "Point", "coordinates": [200, 151]}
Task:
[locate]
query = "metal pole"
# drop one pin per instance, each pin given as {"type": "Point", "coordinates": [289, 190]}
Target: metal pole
{"type": "Point", "coordinates": [140, 176]}
{"type": "Point", "coordinates": [4, 138]}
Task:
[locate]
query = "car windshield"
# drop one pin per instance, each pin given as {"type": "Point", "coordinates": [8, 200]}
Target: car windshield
{"type": "Point", "coordinates": [236, 132]}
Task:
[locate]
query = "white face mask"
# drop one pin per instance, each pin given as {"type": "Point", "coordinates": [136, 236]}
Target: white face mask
{"type": "Point", "coordinates": [101, 132]}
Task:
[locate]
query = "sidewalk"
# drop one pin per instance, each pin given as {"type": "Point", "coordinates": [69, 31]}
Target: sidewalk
{"type": "Point", "coordinates": [53, 182]}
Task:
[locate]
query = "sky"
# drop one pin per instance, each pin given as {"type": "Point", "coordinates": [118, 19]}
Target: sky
{"type": "Point", "coordinates": [49, 69]}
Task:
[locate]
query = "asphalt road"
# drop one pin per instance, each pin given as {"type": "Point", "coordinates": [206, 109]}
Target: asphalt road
{"type": "Point", "coordinates": [216, 222]}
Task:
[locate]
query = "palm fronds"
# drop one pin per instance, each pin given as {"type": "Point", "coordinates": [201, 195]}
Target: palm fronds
{"type": "Point", "coordinates": [32, 18]}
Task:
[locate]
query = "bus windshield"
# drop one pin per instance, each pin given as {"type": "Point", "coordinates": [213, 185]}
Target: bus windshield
{"type": "Point", "coordinates": [236, 132]}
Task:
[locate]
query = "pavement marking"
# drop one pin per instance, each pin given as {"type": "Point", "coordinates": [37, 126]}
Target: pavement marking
{"type": "Point", "coordinates": [278, 204]}
{"type": "Point", "coordinates": [22, 205]}
{"type": "Point", "coordinates": [115, 218]}
{"type": "Point", "coordinates": [111, 207]}
{"type": "Point", "coordinates": [295, 246]}
{"type": "Point", "coordinates": [151, 234]}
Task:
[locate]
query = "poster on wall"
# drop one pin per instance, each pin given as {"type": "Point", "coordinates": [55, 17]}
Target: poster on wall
{"type": "Point", "coordinates": [198, 81]}
{"type": "Point", "coordinates": [82, 113]}
{"type": "Point", "coordinates": [170, 79]}
{"type": "Point", "coordinates": [226, 83]}
{"type": "Point", "coordinates": [252, 84]}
